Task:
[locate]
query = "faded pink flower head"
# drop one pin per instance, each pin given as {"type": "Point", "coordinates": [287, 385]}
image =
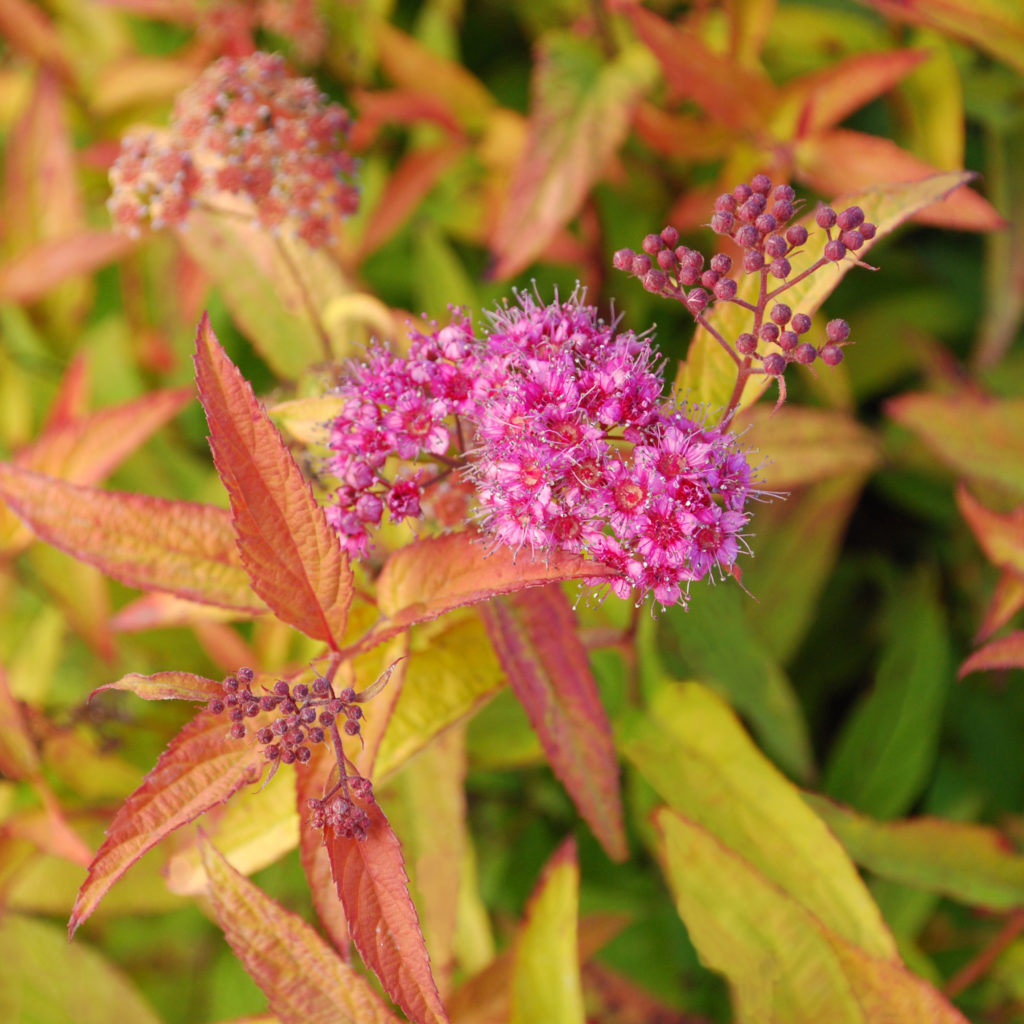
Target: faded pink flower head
{"type": "Point", "coordinates": [249, 129]}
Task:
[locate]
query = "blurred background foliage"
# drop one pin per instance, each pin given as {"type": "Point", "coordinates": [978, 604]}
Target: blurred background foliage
{"type": "Point", "coordinates": [520, 144]}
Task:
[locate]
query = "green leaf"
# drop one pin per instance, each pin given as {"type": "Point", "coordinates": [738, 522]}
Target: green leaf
{"type": "Point", "coordinates": [883, 757]}
{"type": "Point", "coordinates": [712, 642]}
{"type": "Point", "coordinates": [44, 980]}
{"type": "Point", "coordinates": [694, 752]}
{"type": "Point", "coordinates": [784, 964]}
{"type": "Point", "coordinates": [450, 673]}
{"type": "Point", "coordinates": [975, 864]}
{"type": "Point", "coordinates": [545, 976]}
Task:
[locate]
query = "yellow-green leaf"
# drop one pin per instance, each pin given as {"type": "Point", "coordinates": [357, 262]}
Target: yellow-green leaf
{"type": "Point", "coordinates": [784, 964]}
{"type": "Point", "coordinates": [693, 751]}
{"type": "Point", "coordinates": [546, 982]}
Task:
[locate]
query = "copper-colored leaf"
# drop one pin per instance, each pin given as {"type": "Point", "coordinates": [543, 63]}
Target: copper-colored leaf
{"type": "Point", "coordinates": [201, 767]}
{"type": "Point", "coordinates": [151, 543]}
{"type": "Point", "coordinates": [292, 555]}
{"type": "Point", "coordinates": [31, 274]}
{"type": "Point", "coordinates": [374, 888]}
{"type": "Point", "coordinates": [580, 111]}
{"type": "Point", "coordinates": [28, 29]}
{"type": "Point", "coordinates": [158, 611]}
{"type": "Point", "coordinates": [165, 686]}
{"type": "Point", "coordinates": [1005, 652]}
{"type": "Point", "coordinates": [85, 449]}
{"type": "Point", "coordinates": [827, 97]}
{"type": "Point", "coordinates": [303, 979]}
{"type": "Point", "coordinates": [734, 96]}
{"type": "Point", "coordinates": [1001, 536]}
{"type": "Point", "coordinates": [977, 436]}
{"type": "Point", "coordinates": [416, 174]}
{"type": "Point", "coordinates": [840, 160]}
{"type": "Point", "coordinates": [425, 579]}
{"type": "Point", "coordinates": [311, 783]}
{"type": "Point", "coordinates": [1007, 600]}
{"type": "Point", "coordinates": [536, 636]}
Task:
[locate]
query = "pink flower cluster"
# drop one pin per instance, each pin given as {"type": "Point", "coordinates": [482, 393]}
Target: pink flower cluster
{"type": "Point", "coordinates": [250, 129]}
{"type": "Point", "coordinates": [558, 422]}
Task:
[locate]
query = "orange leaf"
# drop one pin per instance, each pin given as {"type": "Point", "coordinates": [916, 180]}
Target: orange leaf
{"type": "Point", "coordinates": [374, 888]}
{"type": "Point", "coordinates": [1001, 536]}
{"type": "Point", "coordinates": [150, 543]}
{"type": "Point", "coordinates": [829, 96]}
{"type": "Point", "coordinates": [200, 768]}
{"type": "Point", "coordinates": [581, 107]}
{"type": "Point", "coordinates": [838, 161]}
{"type": "Point", "coordinates": [1007, 600]}
{"type": "Point", "coordinates": [158, 611]}
{"type": "Point", "coordinates": [1006, 652]}
{"type": "Point", "coordinates": [31, 274]}
{"type": "Point", "coordinates": [292, 555]}
{"type": "Point", "coordinates": [87, 448]}
{"type": "Point", "coordinates": [165, 686]}
{"type": "Point", "coordinates": [730, 94]}
{"type": "Point", "coordinates": [425, 579]}
{"type": "Point", "coordinates": [302, 977]}
{"type": "Point", "coordinates": [536, 638]}
{"type": "Point", "coordinates": [311, 783]}
{"type": "Point", "coordinates": [27, 29]}
{"type": "Point", "coordinates": [19, 758]}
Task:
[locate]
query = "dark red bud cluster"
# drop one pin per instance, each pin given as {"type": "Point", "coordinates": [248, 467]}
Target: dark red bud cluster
{"type": "Point", "coordinates": [340, 812]}
{"type": "Point", "coordinates": [304, 714]}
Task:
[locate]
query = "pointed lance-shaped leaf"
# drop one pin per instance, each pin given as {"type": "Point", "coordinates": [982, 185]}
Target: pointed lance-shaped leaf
{"type": "Point", "coordinates": [546, 981]}
{"type": "Point", "coordinates": [536, 637]}
{"type": "Point", "coordinates": [177, 547]}
{"type": "Point", "coordinates": [165, 686]}
{"type": "Point", "coordinates": [374, 888]}
{"type": "Point", "coordinates": [304, 980]}
{"type": "Point", "coordinates": [310, 784]}
{"type": "Point", "coordinates": [427, 578]}
{"type": "Point", "coordinates": [201, 767]}
{"type": "Point", "coordinates": [292, 555]}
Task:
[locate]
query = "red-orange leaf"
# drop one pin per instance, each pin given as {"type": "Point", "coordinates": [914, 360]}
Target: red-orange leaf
{"type": "Point", "coordinates": [311, 783]}
{"type": "Point", "coordinates": [374, 888]}
{"type": "Point", "coordinates": [581, 107]}
{"type": "Point", "coordinates": [31, 274]}
{"type": "Point", "coordinates": [1006, 652]}
{"type": "Point", "coordinates": [839, 161]}
{"type": "Point", "coordinates": [536, 637]}
{"type": "Point", "coordinates": [1001, 536]}
{"type": "Point", "coordinates": [150, 543]}
{"type": "Point", "coordinates": [201, 767]}
{"type": "Point", "coordinates": [288, 548]}
{"type": "Point", "coordinates": [165, 686]}
{"type": "Point", "coordinates": [424, 580]}
{"type": "Point", "coordinates": [302, 977]}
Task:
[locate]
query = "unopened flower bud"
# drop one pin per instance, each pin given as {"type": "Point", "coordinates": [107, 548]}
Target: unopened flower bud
{"type": "Point", "coordinates": [801, 323]}
{"type": "Point", "coordinates": [722, 223]}
{"type": "Point", "coordinates": [697, 300]}
{"type": "Point", "coordinates": [853, 240]}
{"type": "Point", "coordinates": [825, 217]}
{"type": "Point", "coordinates": [746, 344]}
{"type": "Point", "coordinates": [834, 250]}
{"type": "Point", "coordinates": [775, 364]}
{"type": "Point", "coordinates": [780, 314]}
{"type": "Point", "coordinates": [788, 341]}
{"type": "Point", "coordinates": [623, 259]}
{"type": "Point", "coordinates": [837, 331]}
{"type": "Point", "coordinates": [780, 268]}
{"type": "Point", "coordinates": [652, 244]}
{"type": "Point", "coordinates": [761, 183]}
{"type": "Point", "coordinates": [851, 217]}
{"type": "Point", "coordinates": [831, 355]}
{"type": "Point", "coordinates": [752, 261]}
{"type": "Point", "coordinates": [670, 236]}
{"type": "Point", "coordinates": [725, 289]}
{"type": "Point", "coordinates": [766, 224]}
{"type": "Point", "coordinates": [721, 263]}
{"type": "Point", "coordinates": [725, 203]}
{"type": "Point", "coordinates": [805, 353]}
{"type": "Point", "coordinates": [746, 236]}
{"type": "Point", "coordinates": [775, 246]}
{"type": "Point", "coordinates": [796, 235]}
